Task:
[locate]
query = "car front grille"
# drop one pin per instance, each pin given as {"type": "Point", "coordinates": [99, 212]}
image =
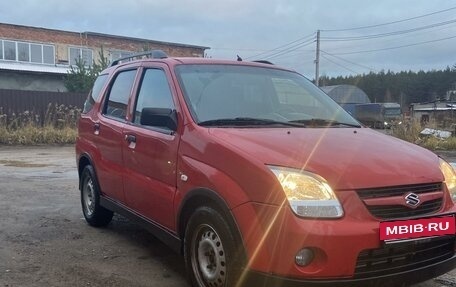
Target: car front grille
{"type": "Point", "coordinates": [400, 257]}
{"type": "Point", "coordinates": [395, 211]}
{"type": "Point", "coordinates": [399, 211]}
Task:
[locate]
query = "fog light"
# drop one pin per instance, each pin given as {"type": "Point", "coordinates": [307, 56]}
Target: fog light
{"type": "Point", "coordinates": [304, 257]}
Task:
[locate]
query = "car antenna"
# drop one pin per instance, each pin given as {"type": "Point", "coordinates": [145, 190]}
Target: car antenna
{"type": "Point", "coordinates": [239, 58]}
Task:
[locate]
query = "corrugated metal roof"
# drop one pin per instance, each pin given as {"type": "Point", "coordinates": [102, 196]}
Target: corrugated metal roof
{"type": "Point", "coordinates": [346, 94]}
{"type": "Point", "coordinates": [434, 109]}
{"type": "Point", "coordinates": [26, 67]}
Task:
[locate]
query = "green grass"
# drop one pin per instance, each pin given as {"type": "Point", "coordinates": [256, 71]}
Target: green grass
{"type": "Point", "coordinates": [58, 126]}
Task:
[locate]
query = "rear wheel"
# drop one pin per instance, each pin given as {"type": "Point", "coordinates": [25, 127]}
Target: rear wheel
{"type": "Point", "coordinates": [94, 213]}
{"type": "Point", "coordinates": [211, 251]}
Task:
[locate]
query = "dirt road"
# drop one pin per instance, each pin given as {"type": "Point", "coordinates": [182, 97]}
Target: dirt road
{"type": "Point", "coordinates": [44, 240]}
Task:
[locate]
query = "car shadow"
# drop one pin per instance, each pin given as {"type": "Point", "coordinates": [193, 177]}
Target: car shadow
{"type": "Point", "coordinates": [136, 235]}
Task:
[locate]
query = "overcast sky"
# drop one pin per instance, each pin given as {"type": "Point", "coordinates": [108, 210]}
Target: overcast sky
{"type": "Point", "coordinates": [254, 29]}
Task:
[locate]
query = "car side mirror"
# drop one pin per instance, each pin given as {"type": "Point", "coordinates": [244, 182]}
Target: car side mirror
{"type": "Point", "coordinates": [159, 117]}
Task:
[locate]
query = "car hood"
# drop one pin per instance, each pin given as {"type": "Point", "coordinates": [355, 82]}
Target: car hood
{"type": "Point", "coordinates": [348, 158]}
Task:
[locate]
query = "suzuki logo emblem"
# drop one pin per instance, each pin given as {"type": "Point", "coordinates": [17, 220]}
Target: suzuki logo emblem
{"type": "Point", "coordinates": [412, 199]}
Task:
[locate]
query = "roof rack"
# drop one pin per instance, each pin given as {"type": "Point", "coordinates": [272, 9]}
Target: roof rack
{"type": "Point", "coordinates": [154, 54]}
{"type": "Point", "coordinates": [263, 62]}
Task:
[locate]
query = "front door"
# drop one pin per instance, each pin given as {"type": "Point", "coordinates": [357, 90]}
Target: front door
{"type": "Point", "coordinates": [150, 152]}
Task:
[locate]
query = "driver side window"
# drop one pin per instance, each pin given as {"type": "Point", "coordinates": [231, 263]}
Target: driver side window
{"type": "Point", "coordinates": [153, 93]}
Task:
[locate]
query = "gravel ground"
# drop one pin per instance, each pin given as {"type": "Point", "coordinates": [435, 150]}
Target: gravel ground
{"type": "Point", "coordinates": [44, 240]}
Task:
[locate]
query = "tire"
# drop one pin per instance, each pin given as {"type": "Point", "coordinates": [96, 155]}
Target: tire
{"type": "Point", "coordinates": [94, 213]}
{"type": "Point", "coordinates": [211, 250]}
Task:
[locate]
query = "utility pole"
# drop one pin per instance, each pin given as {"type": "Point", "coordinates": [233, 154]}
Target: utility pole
{"type": "Point", "coordinates": [317, 61]}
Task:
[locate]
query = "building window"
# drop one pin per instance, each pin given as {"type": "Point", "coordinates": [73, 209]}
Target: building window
{"type": "Point", "coordinates": [84, 54]}
{"type": "Point", "coordinates": [48, 54]}
{"type": "Point", "coordinates": [23, 52]}
{"type": "Point", "coordinates": [36, 53]}
{"type": "Point", "coordinates": [9, 48]}
{"type": "Point", "coordinates": [120, 54]}
{"type": "Point", "coordinates": [27, 52]}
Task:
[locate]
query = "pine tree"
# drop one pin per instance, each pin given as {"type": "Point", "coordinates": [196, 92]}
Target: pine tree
{"type": "Point", "coordinates": [81, 77]}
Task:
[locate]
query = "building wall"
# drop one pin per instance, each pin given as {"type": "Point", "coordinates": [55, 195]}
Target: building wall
{"type": "Point", "coordinates": [11, 78]}
{"type": "Point", "coordinates": [62, 40]}
{"type": "Point", "coordinates": [31, 82]}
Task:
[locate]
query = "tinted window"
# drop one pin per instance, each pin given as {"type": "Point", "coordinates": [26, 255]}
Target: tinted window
{"type": "Point", "coordinates": [95, 93]}
{"type": "Point", "coordinates": [120, 92]}
{"type": "Point", "coordinates": [154, 93]}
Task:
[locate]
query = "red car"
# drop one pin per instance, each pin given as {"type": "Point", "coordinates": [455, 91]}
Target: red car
{"type": "Point", "coordinates": [257, 177]}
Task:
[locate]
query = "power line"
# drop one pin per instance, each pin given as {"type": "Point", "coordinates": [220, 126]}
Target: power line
{"type": "Point", "coordinates": [295, 53]}
{"type": "Point", "coordinates": [303, 39]}
{"type": "Point", "coordinates": [238, 49]}
{"type": "Point", "coordinates": [340, 65]}
{"type": "Point", "coordinates": [366, 37]}
{"type": "Point", "coordinates": [345, 60]}
{"type": "Point", "coordinates": [389, 23]}
{"type": "Point", "coordinates": [397, 47]}
{"type": "Point", "coordinates": [289, 50]}
{"type": "Point", "coordinates": [402, 39]}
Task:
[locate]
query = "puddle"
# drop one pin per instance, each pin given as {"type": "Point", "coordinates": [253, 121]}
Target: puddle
{"type": "Point", "coordinates": [18, 163]}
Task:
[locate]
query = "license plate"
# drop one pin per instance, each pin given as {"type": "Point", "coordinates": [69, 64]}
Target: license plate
{"type": "Point", "coordinates": [406, 229]}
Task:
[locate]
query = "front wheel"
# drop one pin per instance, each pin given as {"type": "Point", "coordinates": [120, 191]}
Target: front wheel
{"type": "Point", "coordinates": [212, 256]}
{"type": "Point", "coordinates": [94, 213]}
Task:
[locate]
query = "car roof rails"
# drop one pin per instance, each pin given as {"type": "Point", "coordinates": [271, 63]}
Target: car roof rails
{"type": "Point", "coordinates": [154, 54]}
{"type": "Point", "coordinates": [263, 62]}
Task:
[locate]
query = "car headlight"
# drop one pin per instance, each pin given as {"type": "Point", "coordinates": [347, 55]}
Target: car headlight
{"type": "Point", "coordinates": [450, 178]}
{"type": "Point", "coordinates": [308, 194]}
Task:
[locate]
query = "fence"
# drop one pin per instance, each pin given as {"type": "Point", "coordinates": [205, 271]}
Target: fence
{"type": "Point", "coordinates": [17, 101]}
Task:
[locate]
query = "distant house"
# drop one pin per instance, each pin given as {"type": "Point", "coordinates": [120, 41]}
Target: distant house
{"type": "Point", "coordinates": [33, 58]}
{"type": "Point", "coordinates": [437, 110]}
{"type": "Point", "coordinates": [347, 96]}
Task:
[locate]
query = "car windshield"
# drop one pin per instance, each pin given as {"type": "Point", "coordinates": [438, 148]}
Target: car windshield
{"type": "Point", "coordinates": [240, 95]}
{"type": "Point", "coordinates": [393, 112]}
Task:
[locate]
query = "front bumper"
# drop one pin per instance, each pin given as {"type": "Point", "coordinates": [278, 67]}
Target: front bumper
{"type": "Point", "coordinates": [342, 247]}
{"type": "Point", "coordinates": [397, 279]}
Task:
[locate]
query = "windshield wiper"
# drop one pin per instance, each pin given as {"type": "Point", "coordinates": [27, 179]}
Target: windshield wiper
{"type": "Point", "coordinates": [324, 123]}
{"type": "Point", "coordinates": [246, 121]}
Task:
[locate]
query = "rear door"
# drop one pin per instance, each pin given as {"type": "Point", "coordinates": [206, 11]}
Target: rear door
{"type": "Point", "coordinates": [150, 152]}
{"type": "Point", "coordinates": [108, 130]}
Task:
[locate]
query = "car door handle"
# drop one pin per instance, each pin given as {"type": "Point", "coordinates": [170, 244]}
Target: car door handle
{"type": "Point", "coordinates": [96, 128]}
{"type": "Point", "coordinates": [130, 139]}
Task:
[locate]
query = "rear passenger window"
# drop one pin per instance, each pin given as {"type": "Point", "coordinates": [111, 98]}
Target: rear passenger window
{"type": "Point", "coordinates": [95, 93]}
{"type": "Point", "coordinates": [153, 93]}
{"type": "Point", "coordinates": [117, 102]}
